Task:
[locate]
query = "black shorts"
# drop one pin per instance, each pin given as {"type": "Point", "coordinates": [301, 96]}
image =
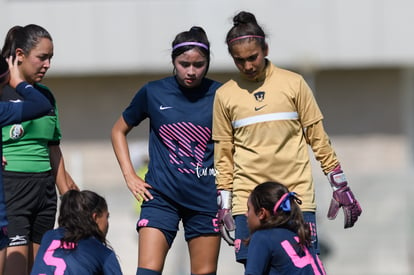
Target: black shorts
{"type": "Point", "coordinates": [31, 205]}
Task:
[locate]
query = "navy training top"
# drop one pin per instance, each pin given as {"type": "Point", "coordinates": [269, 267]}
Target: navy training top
{"type": "Point", "coordinates": [90, 257]}
{"type": "Point", "coordinates": [181, 154]}
{"type": "Point", "coordinates": [277, 251]}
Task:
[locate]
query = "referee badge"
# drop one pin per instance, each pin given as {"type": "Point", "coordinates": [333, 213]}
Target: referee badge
{"type": "Point", "coordinates": [16, 131]}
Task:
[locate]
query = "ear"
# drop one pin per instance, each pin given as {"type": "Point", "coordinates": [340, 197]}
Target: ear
{"type": "Point", "coordinates": [266, 50]}
{"type": "Point", "coordinates": [95, 216]}
{"type": "Point", "coordinates": [263, 214]}
{"type": "Point", "coordinates": [19, 53]}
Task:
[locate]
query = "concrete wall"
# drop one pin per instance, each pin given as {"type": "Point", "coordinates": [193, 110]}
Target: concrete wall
{"type": "Point", "coordinates": [354, 102]}
{"type": "Point", "coordinates": [124, 36]}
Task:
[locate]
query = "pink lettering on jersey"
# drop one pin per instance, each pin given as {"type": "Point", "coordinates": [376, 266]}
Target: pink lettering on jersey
{"type": "Point", "coordinates": [143, 223]}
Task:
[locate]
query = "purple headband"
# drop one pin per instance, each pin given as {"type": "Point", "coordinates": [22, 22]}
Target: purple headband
{"type": "Point", "coordinates": [243, 37]}
{"type": "Point", "coordinates": [190, 44]}
{"type": "Point", "coordinates": [284, 202]}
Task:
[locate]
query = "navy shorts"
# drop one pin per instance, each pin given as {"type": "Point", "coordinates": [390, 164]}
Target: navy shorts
{"type": "Point", "coordinates": [31, 205]}
{"type": "Point", "coordinates": [4, 238]}
{"type": "Point", "coordinates": [242, 233]}
{"type": "Point", "coordinates": [164, 214]}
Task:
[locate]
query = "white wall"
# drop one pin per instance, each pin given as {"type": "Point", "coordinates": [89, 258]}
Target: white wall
{"type": "Point", "coordinates": [118, 36]}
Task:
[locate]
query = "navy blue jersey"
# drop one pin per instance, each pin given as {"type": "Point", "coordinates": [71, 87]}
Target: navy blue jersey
{"type": "Point", "coordinates": [277, 251]}
{"type": "Point", "coordinates": [31, 106]}
{"type": "Point", "coordinates": [90, 257]}
{"type": "Point", "coordinates": [180, 146]}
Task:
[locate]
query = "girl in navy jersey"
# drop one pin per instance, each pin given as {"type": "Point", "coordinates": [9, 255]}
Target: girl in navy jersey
{"type": "Point", "coordinates": [179, 184]}
{"type": "Point", "coordinates": [280, 241]}
{"type": "Point", "coordinates": [33, 105]}
{"type": "Point", "coordinates": [79, 245]}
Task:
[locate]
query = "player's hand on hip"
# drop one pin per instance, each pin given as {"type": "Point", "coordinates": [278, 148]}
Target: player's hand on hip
{"type": "Point", "coordinates": [139, 189]}
{"type": "Point", "coordinates": [342, 197]}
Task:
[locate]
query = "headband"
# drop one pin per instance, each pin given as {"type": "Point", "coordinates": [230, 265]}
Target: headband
{"type": "Point", "coordinates": [243, 37]}
{"type": "Point", "coordinates": [284, 202]}
{"type": "Point", "coordinates": [190, 44]}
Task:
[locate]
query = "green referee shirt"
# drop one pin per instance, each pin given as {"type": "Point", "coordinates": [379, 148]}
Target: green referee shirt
{"type": "Point", "coordinates": [26, 145]}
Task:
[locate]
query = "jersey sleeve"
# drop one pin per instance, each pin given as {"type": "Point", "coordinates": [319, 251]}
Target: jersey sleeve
{"type": "Point", "coordinates": [33, 106]}
{"type": "Point", "coordinates": [258, 255]}
{"type": "Point", "coordinates": [57, 135]}
{"type": "Point", "coordinates": [111, 266]}
{"type": "Point", "coordinates": [307, 107]}
{"type": "Point", "coordinates": [222, 127]}
{"type": "Point", "coordinates": [137, 110]}
{"type": "Point", "coordinates": [321, 146]}
{"type": "Point", "coordinates": [223, 145]}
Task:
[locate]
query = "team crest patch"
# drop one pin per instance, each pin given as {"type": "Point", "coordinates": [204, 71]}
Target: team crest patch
{"type": "Point", "coordinates": [16, 131]}
{"type": "Point", "coordinates": [259, 96]}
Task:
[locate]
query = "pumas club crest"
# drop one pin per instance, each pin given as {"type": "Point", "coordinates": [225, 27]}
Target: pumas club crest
{"type": "Point", "coordinates": [259, 96]}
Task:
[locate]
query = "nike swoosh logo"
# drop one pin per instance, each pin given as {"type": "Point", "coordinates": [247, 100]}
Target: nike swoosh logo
{"type": "Point", "coordinates": [164, 107]}
{"type": "Point", "coordinates": [259, 108]}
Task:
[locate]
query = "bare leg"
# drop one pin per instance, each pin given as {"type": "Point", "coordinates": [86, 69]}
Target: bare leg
{"type": "Point", "coordinates": [204, 251]}
{"type": "Point", "coordinates": [33, 248]}
{"type": "Point", "coordinates": [152, 249]}
{"type": "Point", "coordinates": [2, 260]}
{"type": "Point", "coordinates": [17, 260]}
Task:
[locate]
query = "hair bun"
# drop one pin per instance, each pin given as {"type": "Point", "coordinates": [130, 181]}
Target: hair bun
{"type": "Point", "coordinates": [197, 29]}
{"type": "Point", "coordinates": [244, 18]}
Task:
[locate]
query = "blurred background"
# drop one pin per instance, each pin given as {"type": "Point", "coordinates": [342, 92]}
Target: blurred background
{"type": "Point", "coordinates": [358, 57]}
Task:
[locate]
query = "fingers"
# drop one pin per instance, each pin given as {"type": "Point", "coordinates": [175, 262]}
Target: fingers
{"type": "Point", "coordinates": [333, 209]}
{"type": "Point", "coordinates": [351, 214]}
{"type": "Point", "coordinates": [142, 194]}
{"type": "Point", "coordinates": [15, 77]}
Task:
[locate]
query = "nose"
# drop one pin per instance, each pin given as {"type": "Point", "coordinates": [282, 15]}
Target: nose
{"type": "Point", "coordinates": [248, 66]}
{"type": "Point", "coordinates": [47, 63]}
{"type": "Point", "coordinates": [191, 70]}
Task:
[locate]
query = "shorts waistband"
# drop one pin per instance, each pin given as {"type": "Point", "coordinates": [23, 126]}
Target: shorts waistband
{"type": "Point", "coordinates": [25, 174]}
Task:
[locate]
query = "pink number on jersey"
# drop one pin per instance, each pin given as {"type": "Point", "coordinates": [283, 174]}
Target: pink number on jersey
{"type": "Point", "coordinates": [53, 261]}
{"type": "Point", "coordinates": [298, 261]}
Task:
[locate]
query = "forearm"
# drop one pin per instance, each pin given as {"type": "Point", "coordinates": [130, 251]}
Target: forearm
{"type": "Point", "coordinates": [121, 149]}
{"type": "Point", "coordinates": [321, 146]}
{"type": "Point", "coordinates": [64, 181]}
{"type": "Point", "coordinates": [35, 104]}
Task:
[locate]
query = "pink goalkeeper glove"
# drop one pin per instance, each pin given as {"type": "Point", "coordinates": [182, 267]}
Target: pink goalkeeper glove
{"type": "Point", "coordinates": [224, 215]}
{"type": "Point", "coordinates": [342, 197]}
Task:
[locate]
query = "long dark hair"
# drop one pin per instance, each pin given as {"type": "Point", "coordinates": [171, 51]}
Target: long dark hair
{"type": "Point", "coordinates": [245, 27]}
{"type": "Point", "coordinates": [76, 216]}
{"type": "Point", "coordinates": [195, 34]}
{"type": "Point", "coordinates": [266, 195]}
{"type": "Point", "coordinates": [25, 38]}
{"type": "Point", "coordinates": [4, 71]}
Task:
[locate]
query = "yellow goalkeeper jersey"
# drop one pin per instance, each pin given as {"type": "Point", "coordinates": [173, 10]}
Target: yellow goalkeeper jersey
{"type": "Point", "coordinates": [259, 132]}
